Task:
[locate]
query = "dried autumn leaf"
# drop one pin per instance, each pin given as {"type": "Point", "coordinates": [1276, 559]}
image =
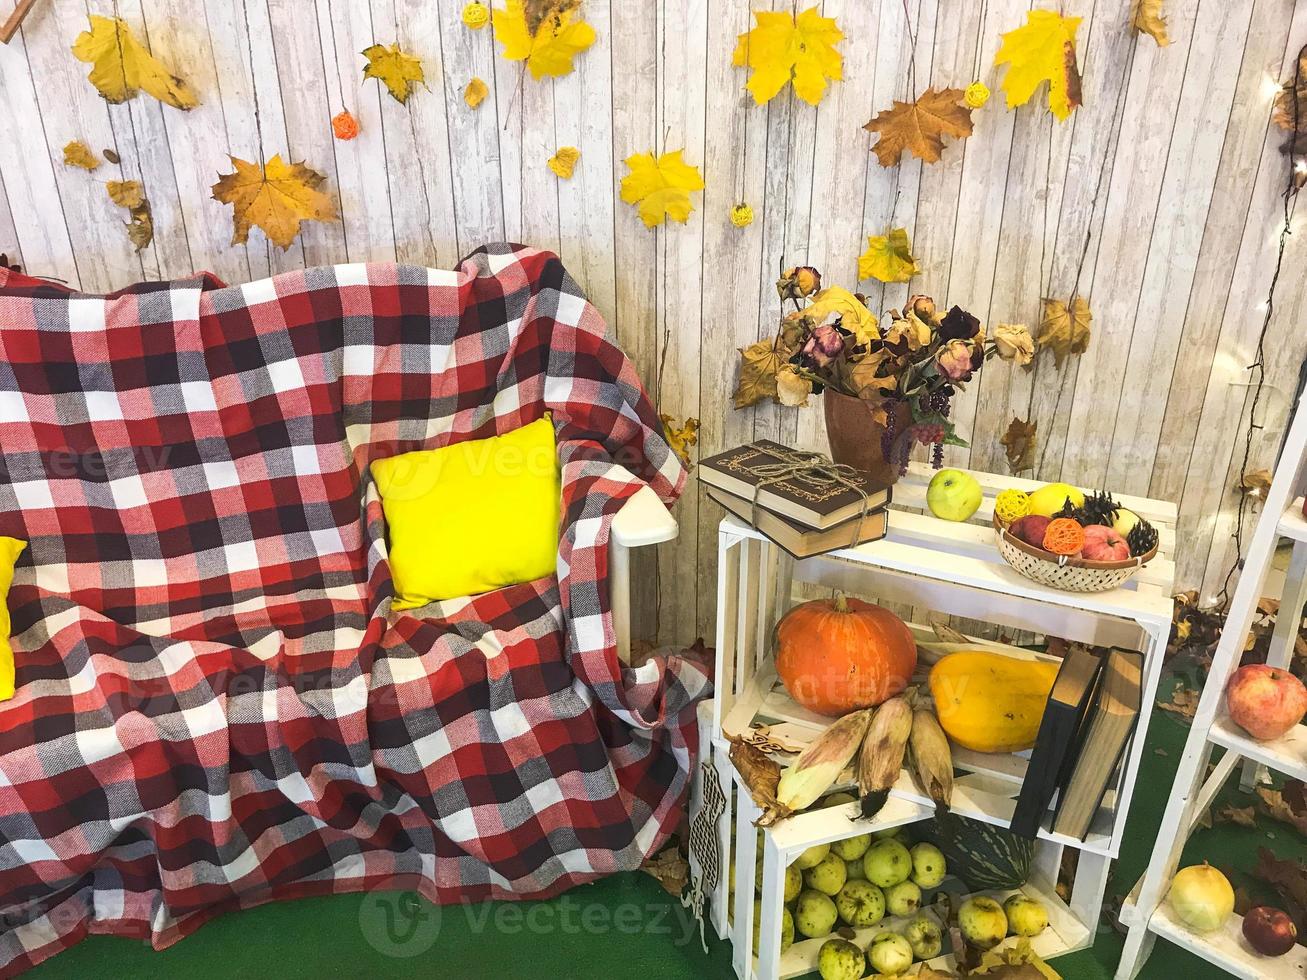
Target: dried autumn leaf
{"type": "Point", "coordinates": [760, 773]}
{"type": "Point", "coordinates": [1184, 702]}
{"type": "Point", "coordinates": [536, 11]}
{"type": "Point", "coordinates": [670, 868]}
{"type": "Point", "coordinates": [1256, 482]}
{"type": "Point", "coordinates": [563, 162]}
{"type": "Point", "coordinates": [680, 437]}
{"type": "Point", "coordinates": [1064, 330]}
{"type": "Point", "coordinates": [783, 48]}
{"type": "Point", "coordinates": [275, 199]}
{"type": "Point", "coordinates": [1278, 804]}
{"type": "Point", "coordinates": [130, 194]}
{"type": "Point", "coordinates": [920, 127]}
{"type": "Point", "coordinates": [121, 66]}
{"type": "Point", "coordinates": [661, 187]}
{"type": "Point", "coordinates": [1146, 18]}
{"type": "Point", "coordinates": [1290, 99]}
{"type": "Point", "coordinates": [475, 93]}
{"type": "Point", "coordinates": [1043, 50]}
{"type": "Point", "coordinates": [547, 49]}
{"type": "Point", "coordinates": [865, 377]}
{"type": "Point", "coordinates": [395, 69]}
{"type": "Point", "coordinates": [1241, 816]}
{"type": "Point", "coordinates": [78, 154]}
{"type": "Point", "coordinates": [1019, 442]}
{"type": "Point", "coordinates": [1289, 878]}
{"type": "Point", "coordinates": [125, 193]}
{"type": "Point", "coordinates": [888, 258]}
{"type": "Point", "coordinates": [853, 313]}
{"type": "Point", "coordinates": [759, 365]}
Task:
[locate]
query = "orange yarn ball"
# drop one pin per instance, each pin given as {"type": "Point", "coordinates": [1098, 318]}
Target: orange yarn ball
{"type": "Point", "coordinates": [344, 125]}
{"type": "Point", "coordinates": [1064, 536]}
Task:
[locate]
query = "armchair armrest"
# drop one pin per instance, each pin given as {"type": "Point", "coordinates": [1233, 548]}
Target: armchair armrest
{"type": "Point", "coordinates": [643, 520]}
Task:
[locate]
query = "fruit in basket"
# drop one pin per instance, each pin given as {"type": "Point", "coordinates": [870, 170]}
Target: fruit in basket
{"type": "Point", "coordinates": [954, 495]}
{"type": "Point", "coordinates": [932, 759]}
{"type": "Point", "coordinates": [1104, 544]}
{"type": "Point", "coordinates": [1011, 505]}
{"type": "Point", "coordinates": [1064, 536]}
{"type": "Point", "coordinates": [1025, 916]}
{"type": "Point", "coordinates": [929, 866]}
{"type": "Point", "coordinates": [903, 898]}
{"type": "Point", "coordinates": [852, 848]}
{"type": "Point", "coordinates": [835, 655]}
{"type": "Point", "coordinates": [925, 937]}
{"type": "Point", "coordinates": [814, 914]}
{"type": "Point", "coordinates": [860, 904]}
{"type": "Point", "coordinates": [1201, 897]}
{"type": "Point", "coordinates": [983, 922]}
{"type": "Point", "coordinates": [787, 927]}
{"type": "Point", "coordinates": [840, 959]}
{"type": "Point", "coordinates": [815, 769]}
{"type": "Point", "coordinates": [1030, 529]}
{"type": "Point", "coordinates": [886, 863]}
{"type": "Point", "coordinates": [1052, 497]}
{"type": "Point", "coordinates": [889, 953]}
{"type": "Point", "coordinates": [1265, 701]}
{"type": "Point", "coordinates": [827, 876]}
{"type": "Point", "coordinates": [811, 857]}
{"type": "Point", "coordinates": [881, 758]}
{"type": "Point", "coordinates": [793, 882]}
{"type": "Point", "coordinates": [981, 854]}
{"type": "Point", "coordinates": [990, 702]}
{"type": "Point", "coordinates": [1125, 521]}
{"type": "Point", "coordinates": [1269, 931]}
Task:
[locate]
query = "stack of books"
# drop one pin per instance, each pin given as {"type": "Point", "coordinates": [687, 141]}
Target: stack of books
{"type": "Point", "coordinates": [803, 517]}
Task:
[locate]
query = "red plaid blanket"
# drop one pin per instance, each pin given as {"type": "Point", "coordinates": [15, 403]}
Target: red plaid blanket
{"type": "Point", "coordinates": [216, 706]}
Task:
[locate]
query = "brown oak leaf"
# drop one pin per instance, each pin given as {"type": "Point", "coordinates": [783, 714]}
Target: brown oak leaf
{"type": "Point", "coordinates": [130, 194]}
{"type": "Point", "coordinates": [920, 127]}
{"type": "Point", "coordinates": [1019, 442]}
{"type": "Point", "coordinates": [1146, 18]}
{"type": "Point", "coordinates": [1065, 329]}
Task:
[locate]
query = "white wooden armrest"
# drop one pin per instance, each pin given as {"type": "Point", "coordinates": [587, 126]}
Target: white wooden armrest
{"type": "Point", "coordinates": [643, 520]}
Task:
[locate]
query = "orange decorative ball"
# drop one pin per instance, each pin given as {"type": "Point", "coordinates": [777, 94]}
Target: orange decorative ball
{"type": "Point", "coordinates": [344, 125]}
{"type": "Point", "coordinates": [1064, 536]}
{"type": "Point", "coordinates": [837, 655]}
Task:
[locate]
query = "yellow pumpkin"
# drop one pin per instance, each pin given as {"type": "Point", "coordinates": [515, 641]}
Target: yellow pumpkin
{"type": "Point", "coordinates": [989, 702]}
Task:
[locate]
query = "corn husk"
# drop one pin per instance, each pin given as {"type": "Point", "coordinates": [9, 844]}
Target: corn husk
{"type": "Point", "coordinates": [932, 759]}
{"type": "Point", "coordinates": [882, 753]}
{"type": "Point", "coordinates": [816, 768]}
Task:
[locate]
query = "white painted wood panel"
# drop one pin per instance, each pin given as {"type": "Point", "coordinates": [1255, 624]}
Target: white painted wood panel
{"type": "Point", "coordinates": [1166, 182]}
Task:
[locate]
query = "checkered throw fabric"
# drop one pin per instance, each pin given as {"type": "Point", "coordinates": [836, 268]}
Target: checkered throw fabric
{"type": "Point", "coordinates": [216, 705]}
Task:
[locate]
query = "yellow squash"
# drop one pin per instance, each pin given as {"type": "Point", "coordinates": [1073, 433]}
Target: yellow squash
{"type": "Point", "coordinates": [988, 702]}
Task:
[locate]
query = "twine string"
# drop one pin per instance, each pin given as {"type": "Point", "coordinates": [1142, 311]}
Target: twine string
{"type": "Point", "coordinates": [816, 470]}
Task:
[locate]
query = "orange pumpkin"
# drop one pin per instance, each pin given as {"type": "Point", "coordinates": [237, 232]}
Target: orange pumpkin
{"type": "Point", "coordinates": [837, 655]}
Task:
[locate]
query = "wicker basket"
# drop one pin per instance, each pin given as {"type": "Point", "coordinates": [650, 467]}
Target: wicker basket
{"type": "Point", "coordinates": [1062, 572]}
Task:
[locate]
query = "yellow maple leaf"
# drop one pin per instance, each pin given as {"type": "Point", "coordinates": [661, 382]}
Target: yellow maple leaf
{"type": "Point", "coordinates": [888, 258]}
{"type": "Point", "coordinates": [550, 48]}
{"type": "Point", "coordinates": [475, 93]}
{"type": "Point", "coordinates": [680, 437]}
{"type": "Point", "coordinates": [1043, 50]}
{"type": "Point", "coordinates": [783, 48]}
{"type": "Point", "coordinates": [760, 363]}
{"type": "Point", "coordinates": [121, 66]}
{"type": "Point", "coordinates": [1147, 19]}
{"type": "Point", "coordinates": [920, 127]}
{"type": "Point", "coordinates": [395, 69]}
{"type": "Point", "coordinates": [661, 186]}
{"type": "Point", "coordinates": [125, 193]}
{"type": "Point", "coordinates": [1065, 330]}
{"type": "Point", "coordinates": [130, 194]}
{"type": "Point", "coordinates": [78, 154]}
{"type": "Point", "coordinates": [853, 313]}
{"type": "Point", "coordinates": [276, 198]}
{"type": "Point", "coordinates": [563, 162]}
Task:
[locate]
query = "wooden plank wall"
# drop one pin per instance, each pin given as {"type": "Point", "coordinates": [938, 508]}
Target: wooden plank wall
{"type": "Point", "coordinates": [1158, 199]}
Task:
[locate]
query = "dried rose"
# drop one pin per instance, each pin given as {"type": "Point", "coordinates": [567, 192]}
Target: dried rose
{"type": "Point", "coordinates": [923, 306]}
{"type": "Point", "coordinates": [958, 359]}
{"type": "Point", "coordinates": [958, 324]}
{"type": "Point", "coordinates": [908, 332]}
{"type": "Point", "coordinates": [798, 282]}
{"type": "Point", "coordinates": [823, 346]}
{"type": "Point", "coordinates": [1014, 343]}
{"type": "Point", "coordinates": [792, 388]}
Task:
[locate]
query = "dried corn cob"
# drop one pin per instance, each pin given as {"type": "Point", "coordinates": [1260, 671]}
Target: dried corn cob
{"type": "Point", "coordinates": [932, 760]}
{"type": "Point", "coordinates": [816, 768]}
{"type": "Point", "coordinates": [882, 753]}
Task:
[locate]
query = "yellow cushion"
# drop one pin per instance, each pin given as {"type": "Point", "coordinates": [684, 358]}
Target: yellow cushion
{"type": "Point", "coordinates": [471, 517]}
{"type": "Point", "coordinates": [10, 549]}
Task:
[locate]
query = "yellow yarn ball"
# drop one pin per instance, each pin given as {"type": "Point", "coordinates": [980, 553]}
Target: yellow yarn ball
{"type": "Point", "coordinates": [1011, 505]}
{"type": "Point", "coordinates": [977, 95]}
{"type": "Point", "coordinates": [475, 15]}
{"type": "Point", "coordinates": [741, 215]}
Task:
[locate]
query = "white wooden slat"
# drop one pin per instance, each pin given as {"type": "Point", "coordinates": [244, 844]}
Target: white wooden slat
{"type": "Point", "coordinates": [8, 234]}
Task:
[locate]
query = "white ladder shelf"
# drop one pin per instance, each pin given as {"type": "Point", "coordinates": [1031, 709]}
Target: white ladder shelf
{"type": "Point", "coordinates": [1145, 911]}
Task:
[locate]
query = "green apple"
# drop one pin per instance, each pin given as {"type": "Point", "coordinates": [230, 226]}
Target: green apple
{"type": "Point", "coordinates": [838, 799]}
{"type": "Point", "coordinates": [903, 898]}
{"type": "Point", "coordinates": [925, 937]}
{"type": "Point", "coordinates": [889, 953]}
{"type": "Point", "coordinates": [983, 922]}
{"type": "Point", "coordinates": [793, 883]}
{"type": "Point", "coordinates": [814, 914]}
{"type": "Point", "coordinates": [787, 927]}
{"type": "Point", "coordinates": [1125, 521]}
{"type": "Point", "coordinates": [887, 862]}
{"type": "Point", "coordinates": [811, 857]}
{"type": "Point", "coordinates": [855, 870]}
{"type": "Point", "coordinates": [827, 876]}
{"type": "Point", "coordinates": [1025, 916]}
{"type": "Point", "coordinates": [840, 959]}
{"type": "Point", "coordinates": [852, 848]}
{"type": "Point", "coordinates": [860, 904]}
{"type": "Point", "coordinates": [928, 865]}
{"type": "Point", "coordinates": [954, 495]}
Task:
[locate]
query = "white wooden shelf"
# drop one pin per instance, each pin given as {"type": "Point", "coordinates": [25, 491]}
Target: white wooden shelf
{"type": "Point", "coordinates": [1286, 754]}
{"type": "Point", "coordinates": [1227, 948]}
{"type": "Point", "coordinates": [1292, 524]}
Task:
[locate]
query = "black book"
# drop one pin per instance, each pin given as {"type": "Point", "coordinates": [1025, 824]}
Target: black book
{"type": "Point", "coordinates": [1068, 704]}
{"type": "Point", "coordinates": [1107, 732]}
{"type": "Point", "coordinates": [798, 539]}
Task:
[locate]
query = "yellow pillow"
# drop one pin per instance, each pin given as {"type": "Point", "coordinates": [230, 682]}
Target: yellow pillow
{"type": "Point", "coordinates": [10, 549]}
{"type": "Point", "coordinates": [472, 517]}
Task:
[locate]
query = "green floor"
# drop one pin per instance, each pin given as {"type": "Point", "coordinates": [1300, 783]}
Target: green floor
{"type": "Point", "coordinates": [622, 927]}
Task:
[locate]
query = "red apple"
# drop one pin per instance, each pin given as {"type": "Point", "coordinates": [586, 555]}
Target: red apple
{"type": "Point", "coordinates": [1104, 544]}
{"type": "Point", "coordinates": [1269, 931]}
{"type": "Point", "coordinates": [1265, 701]}
{"type": "Point", "coordinates": [1030, 529]}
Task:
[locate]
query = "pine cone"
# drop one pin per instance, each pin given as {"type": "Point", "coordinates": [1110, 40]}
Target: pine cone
{"type": "Point", "coordinates": [1142, 538]}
